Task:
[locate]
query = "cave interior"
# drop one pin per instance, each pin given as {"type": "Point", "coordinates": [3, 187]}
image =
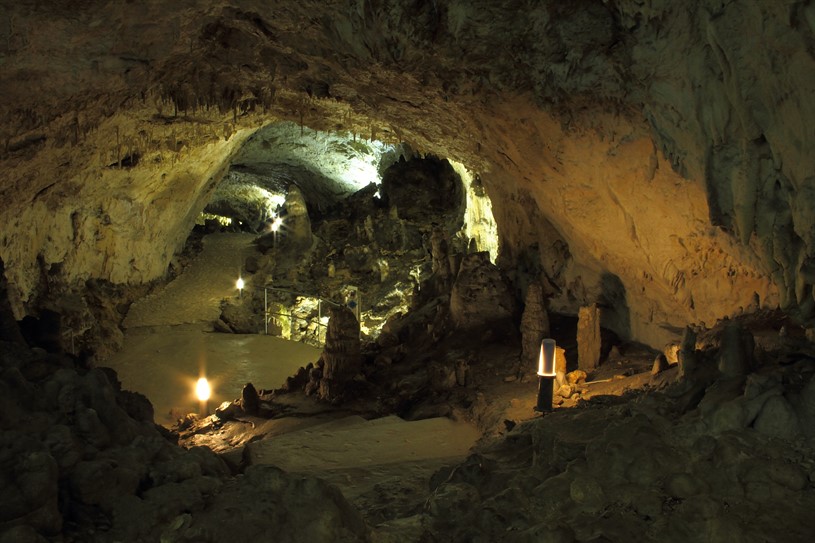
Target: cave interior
{"type": "Point", "coordinates": [285, 271]}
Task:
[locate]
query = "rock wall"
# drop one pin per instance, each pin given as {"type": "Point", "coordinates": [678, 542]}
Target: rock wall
{"type": "Point", "coordinates": [643, 145]}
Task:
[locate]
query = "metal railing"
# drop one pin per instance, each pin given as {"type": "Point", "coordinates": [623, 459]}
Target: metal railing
{"type": "Point", "coordinates": [320, 300]}
{"type": "Point", "coordinates": [268, 314]}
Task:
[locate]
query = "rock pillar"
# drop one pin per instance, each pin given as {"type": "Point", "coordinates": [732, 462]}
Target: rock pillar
{"type": "Point", "coordinates": [341, 354]}
{"type": "Point", "coordinates": [439, 252]}
{"type": "Point", "coordinates": [296, 222]}
{"type": "Point", "coordinates": [534, 327]}
{"type": "Point", "coordinates": [9, 331]}
{"type": "Point", "coordinates": [736, 351]}
{"type": "Point", "coordinates": [687, 352]}
{"type": "Point", "coordinates": [588, 338]}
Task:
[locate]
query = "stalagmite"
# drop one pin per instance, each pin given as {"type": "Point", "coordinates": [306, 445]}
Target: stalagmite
{"type": "Point", "coordinates": [297, 223]}
{"type": "Point", "coordinates": [736, 351]}
{"type": "Point", "coordinates": [534, 327]}
{"type": "Point", "coordinates": [588, 338]}
{"type": "Point", "coordinates": [441, 262]}
{"type": "Point", "coordinates": [687, 352]}
{"type": "Point", "coordinates": [341, 354]}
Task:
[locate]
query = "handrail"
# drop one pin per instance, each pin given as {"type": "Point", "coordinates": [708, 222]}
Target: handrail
{"type": "Point", "coordinates": [296, 293]}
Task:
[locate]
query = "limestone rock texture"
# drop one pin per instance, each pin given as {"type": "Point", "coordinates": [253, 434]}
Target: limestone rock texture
{"type": "Point", "coordinates": [534, 327]}
{"type": "Point", "coordinates": [647, 141]}
{"type": "Point", "coordinates": [341, 355]}
{"type": "Point", "coordinates": [480, 295]}
{"type": "Point", "coordinates": [588, 338]}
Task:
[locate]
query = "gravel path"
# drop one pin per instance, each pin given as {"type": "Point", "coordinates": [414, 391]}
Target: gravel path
{"type": "Point", "coordinates": [195, 295]}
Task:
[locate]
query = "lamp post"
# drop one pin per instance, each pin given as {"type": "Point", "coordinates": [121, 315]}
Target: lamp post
{"type": "Point", "coordinates": [203, 391]}
{"type": "Point", "coordinates": [546, 376]}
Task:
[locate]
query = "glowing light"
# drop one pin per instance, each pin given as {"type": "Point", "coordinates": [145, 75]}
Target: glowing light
{"type": "Point", "coordinates": [202, 389]}
{"type": "Point", "coordinates": [546, 361]}
{"type": "Point", "coordinates": [276, 224]}
{"type": "Point", "coordinates": [239, 283]}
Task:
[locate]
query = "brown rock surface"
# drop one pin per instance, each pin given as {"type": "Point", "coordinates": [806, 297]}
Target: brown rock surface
{"type": "Point", "coordinates": [534, 327]}
{"type": "Point", "coordinates": [648, 139]}
{"type": "Point", "coordinates": [588, 338]}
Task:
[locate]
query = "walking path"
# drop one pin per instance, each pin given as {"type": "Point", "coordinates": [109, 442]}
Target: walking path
{"type": "Point", "coordinates": [195, 295]}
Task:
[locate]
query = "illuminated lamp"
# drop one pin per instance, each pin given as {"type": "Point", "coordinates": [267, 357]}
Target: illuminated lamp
{"type": "Point", "coordinates": [546, 375]}
{"type": "Point", "coordinates": [240, 284]}
{"type": "Point", "coordinates": [203, 391]}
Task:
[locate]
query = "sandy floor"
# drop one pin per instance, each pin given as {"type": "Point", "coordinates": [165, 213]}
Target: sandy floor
{"type": "Point", "coordinates": [196, 294]}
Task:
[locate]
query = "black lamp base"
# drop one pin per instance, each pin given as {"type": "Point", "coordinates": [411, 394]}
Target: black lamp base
{"type": "Point", "coordinates": [544, 403]}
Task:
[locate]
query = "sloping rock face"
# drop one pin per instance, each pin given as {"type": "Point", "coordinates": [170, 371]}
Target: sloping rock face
{"type": "Point", "coordinates": [649, 141]}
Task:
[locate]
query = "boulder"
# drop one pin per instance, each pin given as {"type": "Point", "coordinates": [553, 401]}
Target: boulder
{"type": "Point", "coordinates": [778, 419]}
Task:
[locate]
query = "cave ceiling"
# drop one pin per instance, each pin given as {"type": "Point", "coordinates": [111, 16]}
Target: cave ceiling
{"type": "Point", "coordinates": [657, 142]}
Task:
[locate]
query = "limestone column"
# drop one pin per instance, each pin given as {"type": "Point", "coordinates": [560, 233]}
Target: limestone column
{"type": "Point", "coordinates": [588, 338]}
{"type": "Point", "coordinates": [687, 352]}
{"type": "Point", "coordinates": [341, 354]}
{"type": "Point", "coordinates": [534, 327]}
{"type": "Point", "coordinates": [439, 252]}
{"type": "Point", "coordinates": [9, 330]}
{"type": "Point", "coordinates": [297, 224]}
{"type": "Point", "coordinates": [736, 354]}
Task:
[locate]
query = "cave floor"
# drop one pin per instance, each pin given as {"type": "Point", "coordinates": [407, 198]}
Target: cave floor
{"type": "Point", "coordinates": [169, 344]}
{"type": "Point", "coordinates": [195, 295]}
{"type": "Point", "coordinates": [163, 363]}
{"type": "Point", "coordinates": [385, 466]}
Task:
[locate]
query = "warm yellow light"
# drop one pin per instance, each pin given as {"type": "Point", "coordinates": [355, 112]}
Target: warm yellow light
{"type": "Point", "coordinates": [546, 361]}
{"type": "Point", "coordinates": [276, 224]}
{"type": "Point", "coordinates": [239, 283]}
{"type": "Point", "coordinates": [202, 389]}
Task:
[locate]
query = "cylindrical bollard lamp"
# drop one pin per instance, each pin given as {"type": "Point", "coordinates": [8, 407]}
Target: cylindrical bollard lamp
{"type": "Point", "coordinates": [203, 391]}
{"type": "Point", "coordinates": [546, 375]}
